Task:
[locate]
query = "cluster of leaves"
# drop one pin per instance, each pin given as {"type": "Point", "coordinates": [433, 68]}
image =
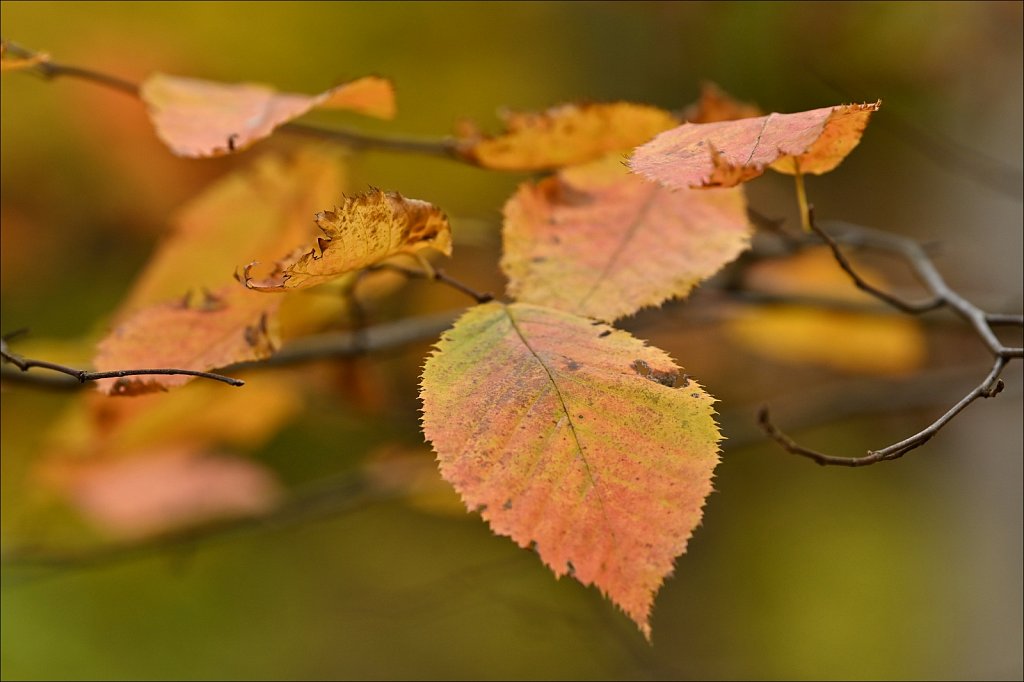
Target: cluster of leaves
{"type": "Point", "coordinates": [565, 433]}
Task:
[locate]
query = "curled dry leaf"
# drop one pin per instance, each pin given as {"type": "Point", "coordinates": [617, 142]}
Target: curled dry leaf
{"type": "Point", "coordinates": [164, 489]}
{"type": "Point", "coordinates": [199, 118]}
{"type": "Point", "coordinates": [566, 135]}
{"type": "Point", "coordinates": [595, 240]}
{"type": "Point", "coordinates": [726, 153]}
{"type": "Point", "coordinates": [201, 332]}
{"type": "Point", "coordinates": [576, 439]}
{"type": "Point", "coordinates": [362, 231]}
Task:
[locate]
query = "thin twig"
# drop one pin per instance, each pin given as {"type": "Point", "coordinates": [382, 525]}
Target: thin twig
{"type": "Point", "coordinates": [376, 338]}
{"type": "Point", "coordinates": [999, 319]}
{"type": "Point", "coordinates": [444, 148]}
{"type": "Point", "coordinates": [83, 375]}
{"type": "Point", "coordinates": [913, 307]}
{"type": "Point", "coordinates": [50, 69]}
{"type": "Point", "coordinates": [438, 275]}
{"type": "Point", "coordinates": [942, 297]}
{"type": "Point", "coordinates": [988, 388]}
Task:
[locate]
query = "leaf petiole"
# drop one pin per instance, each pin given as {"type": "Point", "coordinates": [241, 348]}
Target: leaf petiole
{"type": "Point", "coordinates": [801, 197]}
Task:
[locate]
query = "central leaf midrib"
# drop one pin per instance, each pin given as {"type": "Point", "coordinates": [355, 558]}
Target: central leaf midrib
{"type": "Point", "coordinates": [568, 416]}
{"type": "Point", "coordinates": [620, 248]}
{"type": "Point", "coordinates": [757, 142]}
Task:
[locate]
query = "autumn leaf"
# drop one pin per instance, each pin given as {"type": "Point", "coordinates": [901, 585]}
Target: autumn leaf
{"type": "Point", "coordinates": [198, 118]}
{"type": "Point", "coordinates": [361, 232]}
{"type": "Point", "coordinates": [846, 340]}
{"type": "Point", "coordinates": [202, 332]}
{"type": "Point", "coordinates": [566, 135]}
{"type": "Point", "coordinates": [255, 213]}
{"type": "Point", "coordinates": [726, 153]}
{"type": "Point", "coordinates": [598, 241]}
{"type": "Point", "coordinates": [164, 489]}
{"type": "Point", "coordinates": [573, 438]}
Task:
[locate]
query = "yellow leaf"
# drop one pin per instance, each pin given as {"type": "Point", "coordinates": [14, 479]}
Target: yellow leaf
{"type": "Point", "coordinates": [566, 135]}
{"type": "Point", "coordinates": [361, 232]}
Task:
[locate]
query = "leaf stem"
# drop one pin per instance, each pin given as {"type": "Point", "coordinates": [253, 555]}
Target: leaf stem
{"type": "Point", "coordinates": [801, 197]}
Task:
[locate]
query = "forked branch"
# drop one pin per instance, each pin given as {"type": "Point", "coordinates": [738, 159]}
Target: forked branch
{"type": "Point", "coordinates": [941, 296]}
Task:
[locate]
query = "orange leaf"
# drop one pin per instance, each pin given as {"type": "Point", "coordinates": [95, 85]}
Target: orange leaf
{"type": "Point", "coordinates": [574, 438]}
{"type": "Point", "coordinates": [598, 241]}
{"type": "Point", "coordinates": [727, 153]}
{"type": "Point", "coordinates": [211, 331]}
{"type": "Point", "coordinates": [198, 118]}
{"type": "Point", "coordinates": [364, 230]}
{"type": "Point", "coordinates": [565, 135]}
{"type": "Point", "coordinates": [167, 488]}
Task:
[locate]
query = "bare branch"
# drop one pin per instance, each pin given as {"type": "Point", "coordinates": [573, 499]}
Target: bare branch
{"type": "Point", "coordinates": [913, 307]}
{"type": "Point", "coordinates": [988, 388]}
{"type": "Point", "coordinates": [438, 275]}
{"type": "Point", "coordinates": [444, 148]}
{"type": "Point", "coordinates": [942, 297]}
{"type": "Point", "coordinates": [377, 338]}
{"type": "Point", "coordinates": [50, 69]}
{"type": "Point", "coordinates": [82, 375]}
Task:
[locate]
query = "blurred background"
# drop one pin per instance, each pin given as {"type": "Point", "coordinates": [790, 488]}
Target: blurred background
{"type": "Point", "coordinates": [905, 570]}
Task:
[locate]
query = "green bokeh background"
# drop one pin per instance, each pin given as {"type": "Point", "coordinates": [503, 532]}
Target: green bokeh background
{"type": "Point", "coordinates": [902, 571]}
